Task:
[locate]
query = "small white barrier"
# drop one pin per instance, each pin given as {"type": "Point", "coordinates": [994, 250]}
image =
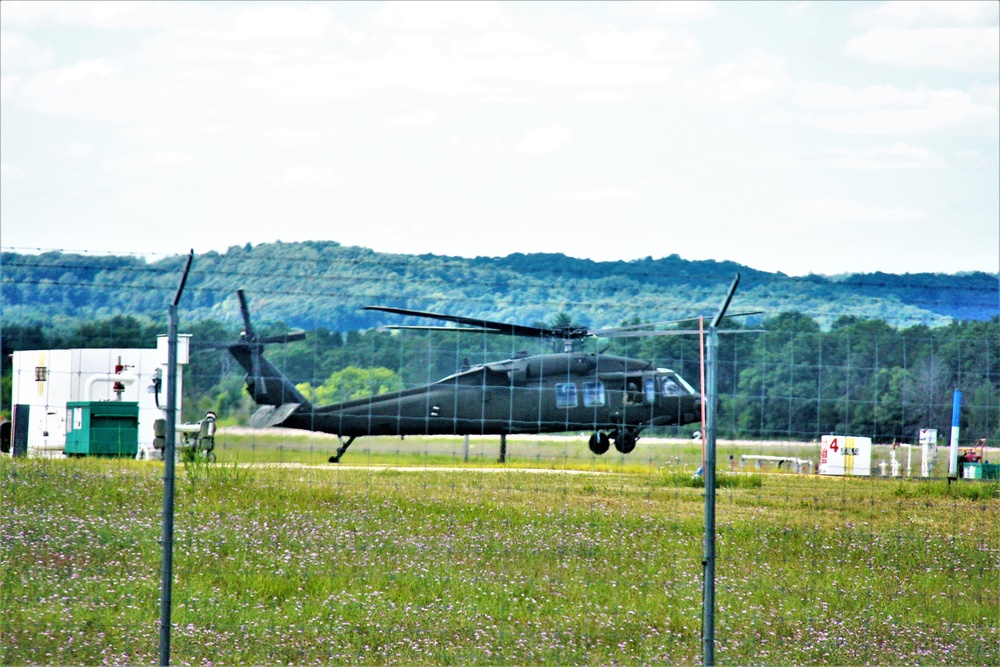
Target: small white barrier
{"type": "Point", "coordinates": [798, 465]}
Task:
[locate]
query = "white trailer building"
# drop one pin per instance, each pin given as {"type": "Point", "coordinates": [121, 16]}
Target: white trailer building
{"type": "Point", "coordinates": [45, 381]}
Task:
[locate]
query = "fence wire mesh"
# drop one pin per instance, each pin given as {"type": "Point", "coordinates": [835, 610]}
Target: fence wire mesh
{"type": "Point", "coordinates": [426, 549]}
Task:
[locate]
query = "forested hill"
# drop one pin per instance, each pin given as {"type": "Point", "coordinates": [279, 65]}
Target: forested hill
{"type": "Point", "coordinates": [323, 284]}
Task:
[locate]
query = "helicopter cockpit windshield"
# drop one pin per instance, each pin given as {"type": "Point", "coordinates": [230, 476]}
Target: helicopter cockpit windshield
{"type": "Point", "coordinates": [671, 384]}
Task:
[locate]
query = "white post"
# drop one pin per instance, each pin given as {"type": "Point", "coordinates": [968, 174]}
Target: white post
{"type": "Point", "coordinates": [956, 411]}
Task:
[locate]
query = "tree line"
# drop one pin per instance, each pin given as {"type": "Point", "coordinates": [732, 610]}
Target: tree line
{"type": "Point", "coordinates": [314, 285]}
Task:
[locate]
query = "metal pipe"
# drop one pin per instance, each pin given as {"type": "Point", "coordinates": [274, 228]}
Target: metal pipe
{"type": "Point", "coordinates": [124, 378]}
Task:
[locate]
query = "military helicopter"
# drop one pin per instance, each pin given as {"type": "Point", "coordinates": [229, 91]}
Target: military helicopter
{"type": "Point", "coordinates": [613, 397]}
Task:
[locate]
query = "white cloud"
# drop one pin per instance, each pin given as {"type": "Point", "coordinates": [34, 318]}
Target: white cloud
{"type": "Point", "coordinates": [100, 67]}
{"type": "Point", "coordinates": [19, 51]}
{"type": "Point", "coordinates": [595, 195]}
{"type": "Point", "coordinates": [438, 14]}
{"type": "Point", "coordinates": [310, 177]}
{"type": "Point", "coordinates": [966, 49]}
{"type": "Point", "coordinates": [201, 74]}
{"type": "Point", "coordinates": [90, 88]}
{"type": "Point", "coordinates": [616, 46]}
{"type": "Point", "coordinates": [833, 210]}
{"type": "Point", "coordinates": [171, 157]}
{"type": "Point", "coordinates": [890, 110]}
{"type": "Point", "coordinates": [78, 150]}
{"type": "Point", "coordinates": [936, 12]}
{"type": "Point", "coordinates": [500, 43]}
{"type": "Point", "coordinates": [416, 118]}
{"type": "Point", "coordinates": [896, 156]}
{"type": "Point", "coordinates": [8, 84]}
{"type": "Point", "coordinates": [493, 145]}
{"type": "Point", "coordinates": [418, 64]}
{"type": "Point", "coordinates": [752, 79]}
{"type": "Point", "coordinates": [834, 97]}
{"type": "Point", "coordinates": [602, 96]}
{"type": "Point", "coordinates": [101, 15]}
{"type": "Point", "coordinates": [799, 9]}
{"type": "Point", "coordinates": [138, 133]}
{"type": "Point", "coordinates": [544, 139]}
{"type": "Point", "coordinates": [217, 129]}
{"type": "Point", "coordinates": [283, 136]}
{"type": "Point", "coordinates": [10, 171]}
{"type": "Point", "coordinates": [685, 11]}
{"type": "Point", "coordinates": [277, 22]}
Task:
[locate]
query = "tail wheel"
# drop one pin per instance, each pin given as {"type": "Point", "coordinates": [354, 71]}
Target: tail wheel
{"type": "Point", "coordinates": [625, 441]}
{"type": "Point", "coordinates": [599, 442]}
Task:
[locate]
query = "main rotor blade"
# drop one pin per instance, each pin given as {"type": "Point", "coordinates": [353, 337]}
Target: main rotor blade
{"type": "Point", "coordinates": [610, 333]}
{"type": "Point", "coordinates": [283, 338]}
{"type": "Point", "coordinates": [613, 332]}
{"type": "Point", "coordinates": [725, 304]}
{"type": "Point", "coordinates": [671, 332]}
{"type": "Point", "coordinates": [394, 327]}
{"type": "Point", "coordinates": [500, 327]}
{"type": "Point", "coordinates": [245, 311]}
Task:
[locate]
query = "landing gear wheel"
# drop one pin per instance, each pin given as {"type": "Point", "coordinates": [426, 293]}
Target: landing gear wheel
{"type": "Point", "coordinates": [625, 441]}
{"type": "Point", "coordinates": [599, 442]}
{"type": "Point", "coordinates": [343, 448]}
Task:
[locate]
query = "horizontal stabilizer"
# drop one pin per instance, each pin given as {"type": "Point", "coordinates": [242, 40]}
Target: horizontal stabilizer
{"type": "Point", "coordinates": [272, 415]}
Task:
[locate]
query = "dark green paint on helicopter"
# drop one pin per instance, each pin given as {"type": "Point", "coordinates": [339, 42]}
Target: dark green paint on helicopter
{"type": "Point", "coordinates": [613, 397]}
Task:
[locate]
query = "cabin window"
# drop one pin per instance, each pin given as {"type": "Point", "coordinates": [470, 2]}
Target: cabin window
{"type": "Point", "coordinates": [566, 395]}
{"type": "Point", "coordinates": [671, 388]}
{"type": "Point", "coordinates": [593, 394]}
{"type": "Point", "coordinates": [633, 395]}
{"type": "Point", "coordinates": [41, 373]}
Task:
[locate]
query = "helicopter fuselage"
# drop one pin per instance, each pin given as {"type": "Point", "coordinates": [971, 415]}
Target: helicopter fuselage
{"type": "Point", "coordinates": [537, 394]}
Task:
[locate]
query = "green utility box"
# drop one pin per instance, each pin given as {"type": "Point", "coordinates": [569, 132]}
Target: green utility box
{"type": "Point", "coordinates": [981, 471]}
{"type": "Point", "coordinates": [102, 428]}
{"type": "Point", "coordinates": [972, 470]}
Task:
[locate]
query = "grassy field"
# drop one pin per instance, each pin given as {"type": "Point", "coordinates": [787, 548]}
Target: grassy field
{"type": "Point", "coordinates": [277, 445]}
{"type": "Point", "coordinates": [572, 563]}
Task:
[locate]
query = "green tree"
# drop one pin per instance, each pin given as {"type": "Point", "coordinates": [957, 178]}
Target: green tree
{"type": "Point", "coordinates": [983, 414]}
{"type": "Point", "coordinates": [352, 383]}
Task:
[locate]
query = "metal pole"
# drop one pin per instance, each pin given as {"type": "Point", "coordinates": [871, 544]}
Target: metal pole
{"type": "Point", "coordinates": [503, 448]}
{"type": "Point", "coordinates": [168, 490]}
{"type": "Point", "coordinates": [170, 435]}
{"type": "Point", "coordinates": [712, 395]}
{"type": "Point", "coordinates": [708, 601]}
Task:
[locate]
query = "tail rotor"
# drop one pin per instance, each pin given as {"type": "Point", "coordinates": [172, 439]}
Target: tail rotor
{"type": "Point", "coordinates": [264, 382]}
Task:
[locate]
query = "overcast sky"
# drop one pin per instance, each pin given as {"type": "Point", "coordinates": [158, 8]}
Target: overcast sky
{"type": "Point", "coordinates": [821, 137]}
